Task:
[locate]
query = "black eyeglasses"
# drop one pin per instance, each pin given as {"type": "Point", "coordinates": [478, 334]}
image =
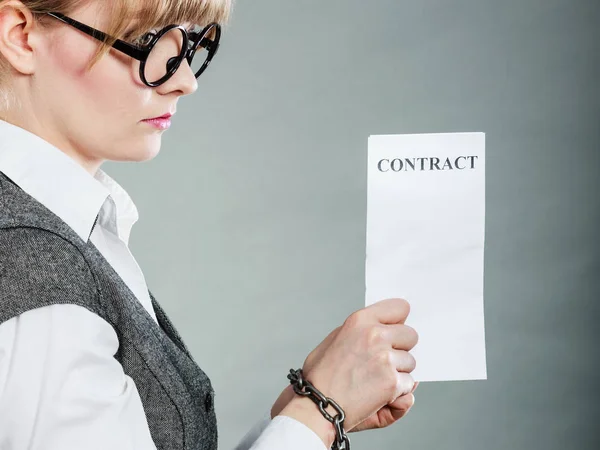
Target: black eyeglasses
{"type": "Point", "coordinates": [160, 53]}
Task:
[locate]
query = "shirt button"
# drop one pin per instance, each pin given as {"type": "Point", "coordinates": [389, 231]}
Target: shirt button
{"type": "Point", "coordinates": [208, 402]}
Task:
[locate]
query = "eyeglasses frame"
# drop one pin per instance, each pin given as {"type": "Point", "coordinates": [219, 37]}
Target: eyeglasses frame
{"type": "Point", "coordinates": [141, 53]}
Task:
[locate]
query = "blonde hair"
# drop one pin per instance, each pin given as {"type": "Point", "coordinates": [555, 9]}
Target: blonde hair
{"type": "Point", "coordinates": [130, 17]}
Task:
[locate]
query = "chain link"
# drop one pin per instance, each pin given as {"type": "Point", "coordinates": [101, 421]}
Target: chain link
{"type": "Point", "coordinates": [305, 388]}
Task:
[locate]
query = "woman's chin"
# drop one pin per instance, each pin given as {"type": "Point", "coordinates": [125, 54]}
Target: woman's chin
{"type": "Point", "coordinates": [150, 153]}
{"type": "Point", "coordinates": [144, 153]}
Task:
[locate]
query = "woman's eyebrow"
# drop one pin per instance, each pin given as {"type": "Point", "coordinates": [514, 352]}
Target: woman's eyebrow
{"type": "Point", "coordinates": [132, 26]}
{"type": "Point", "coordinates": [189, 25]}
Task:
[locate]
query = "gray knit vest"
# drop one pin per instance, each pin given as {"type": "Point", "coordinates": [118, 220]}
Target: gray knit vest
{"type": "Point", "coordinates": [44, 262]}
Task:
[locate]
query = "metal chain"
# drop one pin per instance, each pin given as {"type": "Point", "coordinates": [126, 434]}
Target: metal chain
{"type": "Point", "coordinates": [305, 388]}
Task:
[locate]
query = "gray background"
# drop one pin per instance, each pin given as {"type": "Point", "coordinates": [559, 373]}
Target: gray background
{"type": "Point", "coordinates": [254, 211]}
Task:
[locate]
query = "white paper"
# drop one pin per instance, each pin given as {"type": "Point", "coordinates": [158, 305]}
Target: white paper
{"type": "Point", "coordinates": [425, 240]}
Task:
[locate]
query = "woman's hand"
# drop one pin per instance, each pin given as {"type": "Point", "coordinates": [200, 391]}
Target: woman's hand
{"type": "Point", "coordinates": [384, 417]}
{"type": "Point", "coordinates": [389, 414]}
{"type": "Point", "coordinates": [364, 365]}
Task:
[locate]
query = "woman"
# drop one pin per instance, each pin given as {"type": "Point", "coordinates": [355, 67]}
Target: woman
{"type": "Point", "coordinates": [88, 358]}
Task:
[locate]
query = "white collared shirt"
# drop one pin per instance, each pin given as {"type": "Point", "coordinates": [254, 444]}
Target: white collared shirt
{"type": "Point", "coordinates": [57, 392]}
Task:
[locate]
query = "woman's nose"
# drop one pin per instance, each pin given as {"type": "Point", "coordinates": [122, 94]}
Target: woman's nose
{"type": "Point", "coordinates": [183, 80]}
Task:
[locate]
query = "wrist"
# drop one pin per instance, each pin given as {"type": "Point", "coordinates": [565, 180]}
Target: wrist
{"type": "Point", "coordinates": [284, 398]}
{"type": "Point", "coordinates": [306, 411]}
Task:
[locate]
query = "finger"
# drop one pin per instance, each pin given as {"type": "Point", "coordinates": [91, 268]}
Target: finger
{"type": "Point", "coordinates": [400, 407]}
{"type": "Point", "coordinates": [391, 310]}
{"type": "Point", "coordinates": [404, 384]}
{"type": "Point", "coordinates": [402, 337]}
{"type": "Point", "coordinates": [404, 361]}
{"type": "Point", "coordinates": [415, 386]}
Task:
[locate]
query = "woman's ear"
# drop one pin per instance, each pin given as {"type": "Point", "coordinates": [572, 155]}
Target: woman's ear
{"type": "Point", "coordinates": [16, 37]}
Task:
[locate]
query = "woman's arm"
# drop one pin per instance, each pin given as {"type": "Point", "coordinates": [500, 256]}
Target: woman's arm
{"type": "Point", "coordinates": [61, 387]}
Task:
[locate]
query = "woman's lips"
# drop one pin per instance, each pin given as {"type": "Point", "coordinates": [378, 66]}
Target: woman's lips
{"type": "Point", "coordinates": [162, 123]}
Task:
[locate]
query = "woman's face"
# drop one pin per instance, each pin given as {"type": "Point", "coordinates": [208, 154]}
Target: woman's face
{"type": "Point", "coordinates": [94, 115]}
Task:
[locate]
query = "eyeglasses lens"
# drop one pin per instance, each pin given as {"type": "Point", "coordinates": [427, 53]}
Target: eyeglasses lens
{"type": "Point", "coordinates": [202, 52]}
{"type": "Point", "coordinates": [164, 55]}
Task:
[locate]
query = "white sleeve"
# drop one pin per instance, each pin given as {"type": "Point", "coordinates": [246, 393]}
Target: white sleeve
{"type": "Point", "coordinates": [287, 433]}
{"type": "Point", "coordinates": [61, 387]}
{"type": "Point", "coordinates": [254, 432]}
{"type": "Point", "coordinates": [281, 433]}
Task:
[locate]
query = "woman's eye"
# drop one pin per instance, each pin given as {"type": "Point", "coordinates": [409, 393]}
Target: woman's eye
{"type": "Point", "coordinates": [145, 39]}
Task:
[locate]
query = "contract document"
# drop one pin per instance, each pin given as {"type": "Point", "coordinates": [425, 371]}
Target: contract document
{"type": "Point", "coordinates": [425, 242]}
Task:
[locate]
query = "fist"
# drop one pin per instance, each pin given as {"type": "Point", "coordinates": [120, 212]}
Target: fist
{"type": "Point", "coordinates": [365, 364]}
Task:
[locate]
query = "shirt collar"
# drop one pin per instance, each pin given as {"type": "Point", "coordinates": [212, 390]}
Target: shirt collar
{"type": "Point", "coordinates": [63, 186]}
